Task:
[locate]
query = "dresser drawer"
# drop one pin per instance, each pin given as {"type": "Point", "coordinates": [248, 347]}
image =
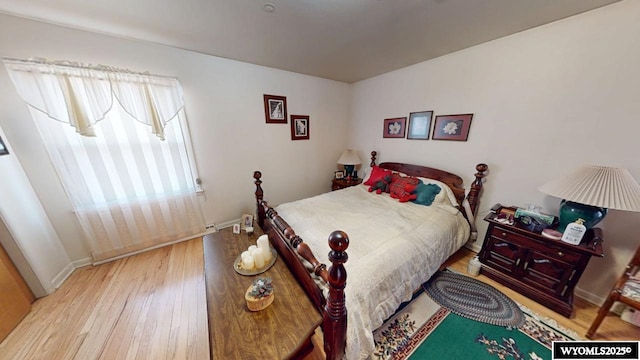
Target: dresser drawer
{"type": "Point", "coordinates": [556, 252]}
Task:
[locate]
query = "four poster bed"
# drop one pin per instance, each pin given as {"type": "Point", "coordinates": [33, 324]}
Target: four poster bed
{"type": "Point", "coordinates": [394, 247]}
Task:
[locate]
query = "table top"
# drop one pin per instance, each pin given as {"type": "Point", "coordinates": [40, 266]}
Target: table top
{"type": "Point", "coordinates": [278, 331]}
{"type": "Point", "coordinates": [591, 242]}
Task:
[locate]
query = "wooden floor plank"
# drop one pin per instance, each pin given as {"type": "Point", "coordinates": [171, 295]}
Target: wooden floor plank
{"type": "Point", "coordinates": [153, 306]}
{"type": "Point", "coordinates": [133, 307]}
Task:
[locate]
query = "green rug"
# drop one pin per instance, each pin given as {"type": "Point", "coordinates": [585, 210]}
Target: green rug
{"type": "Point", "coordinates": [424, 330]}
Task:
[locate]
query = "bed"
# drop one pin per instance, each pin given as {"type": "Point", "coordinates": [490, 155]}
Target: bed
{"type": "Point", "coordinates": [394, 248]}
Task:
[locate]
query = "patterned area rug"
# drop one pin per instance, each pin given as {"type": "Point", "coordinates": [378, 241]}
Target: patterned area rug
{"type": "Point", "coordinates": [473, 299]}
{"type": "Point", "coordinates": [425, 330]}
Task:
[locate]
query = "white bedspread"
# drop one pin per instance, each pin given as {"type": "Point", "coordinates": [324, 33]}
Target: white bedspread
{"type": "Point", "coordinates": [393, 248]}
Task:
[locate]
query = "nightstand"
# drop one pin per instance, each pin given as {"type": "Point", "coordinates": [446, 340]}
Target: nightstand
{"type": "Point", "coordinates": [540, 268]}
{"type": "Point", "coordinates": [337, 184]}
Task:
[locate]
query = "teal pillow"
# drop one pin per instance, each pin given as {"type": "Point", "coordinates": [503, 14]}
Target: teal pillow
{"type": "Point", "coordinates": [425, 194]}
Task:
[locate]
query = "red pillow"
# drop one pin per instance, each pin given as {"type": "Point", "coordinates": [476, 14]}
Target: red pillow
{"type": "Point", "coordinates": [401, 186]}
{"type": "Point", "coordinates": [377, 174]}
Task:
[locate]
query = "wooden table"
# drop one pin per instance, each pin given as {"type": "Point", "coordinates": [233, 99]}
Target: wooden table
{"type": "Point", "coordinates": [281, 331]}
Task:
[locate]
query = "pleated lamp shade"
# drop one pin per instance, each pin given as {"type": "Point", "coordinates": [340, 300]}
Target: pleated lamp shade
{"type": "Point", "coordinates": [595, 187]}
{"type": "Point", "coordinates": [349, 157]}
{"type": "Point", "coordinates": [601, 186]}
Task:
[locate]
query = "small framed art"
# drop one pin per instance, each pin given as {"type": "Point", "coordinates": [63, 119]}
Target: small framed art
{"type": "Point", "coordinates": [3, 148]}
{"type": "Point", "coordinates": [394, 128]}
{"type": "Point", "coordinates": [275, 109]}
{"type": "Point", "coordinates": [419, 125]}
{"type": "Point", "coordinates": [452, 127]}
{"type": "Point", "coordinates": [236, 228]}
{"type": "Point", "coordinates": [299, 127]}
{"type": "Point", "coordinates": [247, 221]}
{"type": "Point", "coordinates": [339, 174]}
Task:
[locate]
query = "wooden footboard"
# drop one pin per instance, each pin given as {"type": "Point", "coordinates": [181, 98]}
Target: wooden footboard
{"type": "Point", "coordinates": [291, 247]}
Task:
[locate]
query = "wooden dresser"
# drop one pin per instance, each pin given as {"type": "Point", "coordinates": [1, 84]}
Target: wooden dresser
{"type": "Point", "coordinates": [281, 331]}
{"type": "Point", "coordinates": [540, 268]}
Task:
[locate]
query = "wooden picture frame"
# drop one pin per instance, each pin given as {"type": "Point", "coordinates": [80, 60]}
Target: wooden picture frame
{"type": "Point", "coordinates": [299, 127]}
{"type": "Point", "coordinates": [275, 109]}
{"type": "Point", "coordinates": [452, 127]}
{"type": "Point", "coordinates": [246, 221]}
{"type": "Point", "coordinates": [339, 174]}
{"type": "Point", "coordinates": [394, 128]}
{"type": "Point", "coordinates": [419, 125]}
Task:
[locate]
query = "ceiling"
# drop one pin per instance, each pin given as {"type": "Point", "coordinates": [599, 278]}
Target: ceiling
{"type": "Point", "coordinates": [344, 40]}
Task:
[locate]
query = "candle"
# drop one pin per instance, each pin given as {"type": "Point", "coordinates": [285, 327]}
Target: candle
{"type": "Point", "coordinates": [252, 249]}
{"type": "Point", "coordinates": [263, 242]}
{"type": "Point", "coordinates": [266, 253]}
{"type": "Point", "coordinates": [244, 255]}
{"type": "Point", "coordinates": [258, 258]}
{"type": "Point", "coordinates": [248, 263]}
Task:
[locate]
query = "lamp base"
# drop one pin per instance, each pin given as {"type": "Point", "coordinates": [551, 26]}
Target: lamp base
{"type": "Point", "coordinates": [571, 211]}
{"type": "Point", "coordinates": [348, 169]}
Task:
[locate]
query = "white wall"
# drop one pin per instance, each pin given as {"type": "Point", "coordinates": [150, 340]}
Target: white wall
{"type": "Point", "coordinates": [226, 117]}
{"type": "Point", "coordinates": [544, 102]}
{"type": "Point", "coordinates": [29, 237]}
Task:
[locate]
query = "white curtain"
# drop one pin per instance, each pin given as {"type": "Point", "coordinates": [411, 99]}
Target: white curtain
{"type": "Point", "coordinates": [130, 178]}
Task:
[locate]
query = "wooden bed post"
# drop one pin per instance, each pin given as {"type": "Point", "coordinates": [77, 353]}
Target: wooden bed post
{"type": "Point", "coordinates": [373, 158]}
{"type": "Point", "coordinates": [334, 325]}
{"type": "Point", "coordinates": [474, 191]}
{"type": "Point", "coordinates": [259, 197]}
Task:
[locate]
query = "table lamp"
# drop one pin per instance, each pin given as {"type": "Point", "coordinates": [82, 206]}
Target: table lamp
{"type": "Point", "coordinates": [590, 191]}
{"type": "Point", "coordinates": [349, 159]}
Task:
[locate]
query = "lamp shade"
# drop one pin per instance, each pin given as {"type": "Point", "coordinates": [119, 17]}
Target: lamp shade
{"type": "Point", "coordinates": [601, 186]}
{"type": "Point", "coordinates": [349, 157]}
{"type": "Point", "coordinates": [589, 191]}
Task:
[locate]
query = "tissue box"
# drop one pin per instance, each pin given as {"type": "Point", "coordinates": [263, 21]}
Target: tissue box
{"type": "Point", "coordinates": [631, 315]}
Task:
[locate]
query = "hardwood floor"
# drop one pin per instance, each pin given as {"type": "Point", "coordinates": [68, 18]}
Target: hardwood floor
{"type": "Point", "coordinates": [153, 306]}
{"type": "Point", "coordinates": [148, 306]}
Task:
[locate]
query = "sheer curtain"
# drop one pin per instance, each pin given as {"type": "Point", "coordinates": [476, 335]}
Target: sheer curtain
{"type": "Point", "coordinates": [119, 143]}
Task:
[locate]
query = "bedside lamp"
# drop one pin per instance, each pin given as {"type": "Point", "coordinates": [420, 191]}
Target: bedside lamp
{"type": "Point", "coordinates": [589, 191]}
{"type": "Point", "coordinates": [349, 159]}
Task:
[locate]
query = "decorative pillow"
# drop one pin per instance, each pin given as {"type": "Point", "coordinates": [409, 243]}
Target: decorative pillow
{"type": "Point", "coordinates": [402, 186]}
{"type": "Point", "coordinates": [426, 193]}
{"type": "Point", "coordinates": [377, 174]}
{"type": "Point", "coordinates": [445, 196]}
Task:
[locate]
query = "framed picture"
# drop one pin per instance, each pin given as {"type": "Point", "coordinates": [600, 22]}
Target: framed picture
{"type": "Point", "coordinates": [275, 109]}
{"type": "Point", "coordinates": [299, 127]}
{"type": "Point", "coordinates": [452, 127]}
{"type": "Point", "coordinates": [247, 221]}
{"type": "Point", "coordinates": [236, 228]}
{"type": "Point", "coordinates": [3, 148]}
{"type": "Point", "coordinates": [394, 128]}
{"type": "Point", "coordinates": [339, 174]}
{"type": "Point", "coordinates": [419, 125]}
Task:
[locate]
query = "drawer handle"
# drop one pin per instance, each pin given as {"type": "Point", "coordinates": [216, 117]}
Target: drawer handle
{"type": "Point", "coordinates": [541, 261]}
{"type": "Point", "coordinates": [501, 245]}
{"type": "Point", "coordinates": [560, 254]}
{"type": "Point", "coordinates": [518, 262]}
{"type": "Point", "coordinates": [504, 234]}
